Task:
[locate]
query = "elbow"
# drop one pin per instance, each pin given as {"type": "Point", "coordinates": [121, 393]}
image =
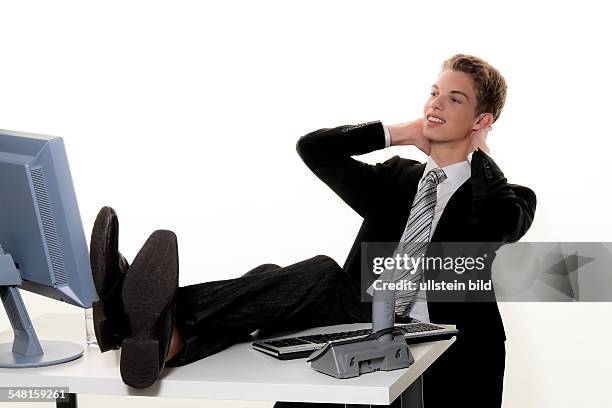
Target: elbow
{"type": "Point", "coordinates": [521, 216]}
{"type": "Point", "coordinates": [303, 149]}
{"type": "Point", "coordinates": [301, 146]}
{"type": "Point", "coordinates": [306, 146]}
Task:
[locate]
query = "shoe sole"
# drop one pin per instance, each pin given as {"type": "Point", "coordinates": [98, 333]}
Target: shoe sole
{"type": "Point", "coordinates": [148, 290]}
{"type": "Point", "coordinates": [106, 317]}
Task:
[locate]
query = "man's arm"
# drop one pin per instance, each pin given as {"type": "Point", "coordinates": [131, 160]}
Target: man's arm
{"type": "Point", "coordinates": [502, 212]}
{"type": "Point", "coordinates": [328, 153]}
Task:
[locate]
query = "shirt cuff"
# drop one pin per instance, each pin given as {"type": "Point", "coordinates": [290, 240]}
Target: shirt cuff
{"type": "Point", "coordinates": [387, 136]}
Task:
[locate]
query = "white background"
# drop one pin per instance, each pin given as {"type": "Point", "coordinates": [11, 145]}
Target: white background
{"type": "Point", "coordinates": [184, 115]}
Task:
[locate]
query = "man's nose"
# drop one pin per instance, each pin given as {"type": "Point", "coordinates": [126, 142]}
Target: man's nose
{"type": "Point", "coordinates": [436, 103]}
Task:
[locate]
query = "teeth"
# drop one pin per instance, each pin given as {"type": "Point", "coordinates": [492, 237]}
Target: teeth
{"type": "Point", "coordinates": [434, 119]}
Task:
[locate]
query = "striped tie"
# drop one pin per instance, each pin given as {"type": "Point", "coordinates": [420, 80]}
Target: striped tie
{"type": "Point", "coordinates": [415, 238]}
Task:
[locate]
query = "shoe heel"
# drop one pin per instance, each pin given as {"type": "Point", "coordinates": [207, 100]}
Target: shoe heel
{"type": "Point", "coordinates": [102, 327]}
{"type": "Point", "coordinates": [139, 362]}
{"type": "Point", "coordinates": [140, 351]}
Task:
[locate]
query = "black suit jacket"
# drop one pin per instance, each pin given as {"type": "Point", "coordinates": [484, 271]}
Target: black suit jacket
{"type": "Point", "coordinates": [486, 208]}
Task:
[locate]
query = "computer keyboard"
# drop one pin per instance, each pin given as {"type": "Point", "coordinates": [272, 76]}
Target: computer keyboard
{"type": "Point", "coordinates": [290, 348]}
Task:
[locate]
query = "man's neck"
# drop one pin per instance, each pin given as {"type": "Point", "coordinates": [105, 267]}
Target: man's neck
{"type": "Point", "coordinates": [447, 153]}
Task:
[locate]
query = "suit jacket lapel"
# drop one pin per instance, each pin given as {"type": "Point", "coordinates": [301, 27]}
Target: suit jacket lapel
{"type": "Point", "coordinates": [457, 209]}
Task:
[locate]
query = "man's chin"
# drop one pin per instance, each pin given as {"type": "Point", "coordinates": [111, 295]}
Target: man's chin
{"type": "Point", "coordinates": [436, 136]}
{"type": "Point", "coordinates": [433, 135]}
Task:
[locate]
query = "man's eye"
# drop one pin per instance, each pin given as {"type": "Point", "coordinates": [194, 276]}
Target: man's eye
{"type": "Point", "coordinates": [432, 93]}
{"type": "Point", "coordinates": [455, 100]}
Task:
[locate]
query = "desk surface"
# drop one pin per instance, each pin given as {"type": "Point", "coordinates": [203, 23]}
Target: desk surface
{"type": "Point", "coordinates": [238, 373]}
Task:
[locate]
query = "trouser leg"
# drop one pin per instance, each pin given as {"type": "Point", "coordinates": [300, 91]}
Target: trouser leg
{"type": "Point", "coordinates": [261, 269]}
{"type": "Point", "coordinates": [211, 316]}
{"type": "Point", "coordinates": [282, 404]}
{"type": "Point", "coordinates": [471, 373]}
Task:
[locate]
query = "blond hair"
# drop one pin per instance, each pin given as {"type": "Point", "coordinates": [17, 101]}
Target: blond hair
{"type": "Point", "coordinates": [489, 85]}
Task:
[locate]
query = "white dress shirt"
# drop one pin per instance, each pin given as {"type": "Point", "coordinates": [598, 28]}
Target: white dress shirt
{"type": "Point", "coordinates": [456, 175]}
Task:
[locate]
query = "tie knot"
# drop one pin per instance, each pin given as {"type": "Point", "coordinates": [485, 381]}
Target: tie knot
{"type": "Point", "coordinates": [435, 176]}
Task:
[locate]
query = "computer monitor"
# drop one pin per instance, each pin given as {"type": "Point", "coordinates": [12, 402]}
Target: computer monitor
{"type": "Point", "coordinates": [42, 243]}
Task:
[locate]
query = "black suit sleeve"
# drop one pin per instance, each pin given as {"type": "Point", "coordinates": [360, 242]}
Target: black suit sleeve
{"type": "Point", "coordinates": [328, 153]}
{"type": "Point", "coordinates": [502, 212]}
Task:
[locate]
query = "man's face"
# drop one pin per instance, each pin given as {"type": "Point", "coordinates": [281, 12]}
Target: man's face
{"type": "Point", "coordinates": [453, 100]}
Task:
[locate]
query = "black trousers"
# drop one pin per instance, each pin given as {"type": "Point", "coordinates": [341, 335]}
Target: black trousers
{"type": "Point", "coordinates": [212, 316]}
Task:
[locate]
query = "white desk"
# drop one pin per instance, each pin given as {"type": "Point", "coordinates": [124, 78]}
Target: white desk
{"type": "Point", "coordinates": [238, 373]}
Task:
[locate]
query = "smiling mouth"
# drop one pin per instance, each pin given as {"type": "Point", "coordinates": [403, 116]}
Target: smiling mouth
{"type": "Point", "coordinates": [434, 121]}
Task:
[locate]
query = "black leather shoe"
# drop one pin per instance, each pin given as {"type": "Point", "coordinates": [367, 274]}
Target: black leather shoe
{"type": "Point", "coordinates": [149, 300]}
{"type": "Point", "coordinates": [108, 268]}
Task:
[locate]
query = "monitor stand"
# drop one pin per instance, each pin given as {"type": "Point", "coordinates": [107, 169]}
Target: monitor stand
{"type": "Point", "coordinates": [386, 349]}
{"type": "Point", "coordinates": [26, 350]}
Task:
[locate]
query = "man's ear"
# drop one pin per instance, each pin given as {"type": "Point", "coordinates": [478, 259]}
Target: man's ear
{"type": "Point", "coordinates": [484, 121]}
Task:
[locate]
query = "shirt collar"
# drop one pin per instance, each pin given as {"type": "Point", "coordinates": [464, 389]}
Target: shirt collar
{"type": "Point", "coordinates": [456, 173]}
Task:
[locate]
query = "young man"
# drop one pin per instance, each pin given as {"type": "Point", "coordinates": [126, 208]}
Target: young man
{"type": "Point", "coordinates": [459, 195]}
